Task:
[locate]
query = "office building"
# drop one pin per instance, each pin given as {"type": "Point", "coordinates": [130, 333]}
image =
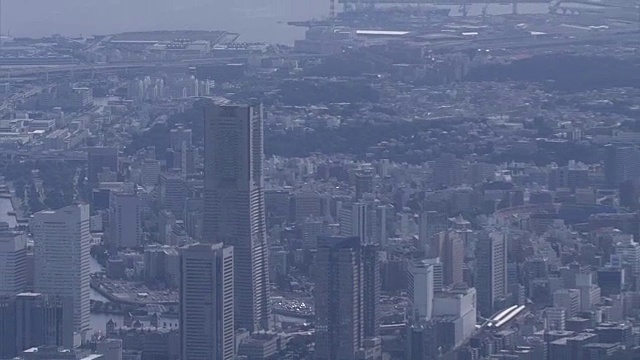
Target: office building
{"type": "Point", "coordinates": [568, 299]}
{"type": "Point", "coordinates": [43, 320]}
{"type": "Point", "coordinates": [306, 204]}
{"type": "Point", "coordinates": [371, 290]}
{"type": "Point", "coordinates": [149, 172]}
{"type": "Point", "coordinates": [110, 348]}
{"type": "Point", "coordinates": [448, 171]}
{"type": "Point", "coordinates": [364, 184]}
{"type": "Point", "coordinates": [206, 302]}
{"type": "Point", "coordinates": [621, 163]}
{"type": "Point", "coordinates": [491, 271]}
{"type": "Point", "coordinates": [99, 159]}
{"type": "Point", "coordinates": [62, 254]}
{"type": "Point", "coordinates": [430, 224]}
{"type": "Point", "coordinates": [449, 247]}
{"type": "Point", "coordinates": [338, 296]}
{"type": "Point", "coordinates": [29, 320]}
{"type": "Point", "coordinates": [234, 212]}
{"type": "Point", "coordinates": [173, 194]}
{"type": "Point", "coordinates": [421, 289]}
{"type": "Point", "coordinates": [125, 219]}
{"type": "Point", "coordinates": [13, 262]}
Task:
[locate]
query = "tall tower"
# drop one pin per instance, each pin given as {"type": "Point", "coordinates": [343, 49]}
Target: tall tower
{"type": "Point", "coordinates": [491, 271]}
{"type": "Point", "coordinates": [206, 302]}
{"type": "Point", "coordinates": [339, 298]}
{"type": "Point", "coordinates": [62, 254]}
{"type": "Point", "coordinates": [371, 290]}
{"type": "Point", "coordinates": [13, 262]}
{"type": "Point", "coordinates": [234, 212]}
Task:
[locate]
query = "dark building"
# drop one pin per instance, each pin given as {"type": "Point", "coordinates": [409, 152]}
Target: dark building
{"type": "Point", "coordinates": [364, 184]}
{"type": "Point", "coordinates": [338, 298]}
{"type": "Point", "coordinates": [101, 158]}
{"type": "Point", "coordinates": [621, 163]}
{"type": "Point", "coordinates": [611, 280]}
{"type": "Point", "coordinates": [371, 276]}
{"type": "Point", "coordinates": [30, 320]}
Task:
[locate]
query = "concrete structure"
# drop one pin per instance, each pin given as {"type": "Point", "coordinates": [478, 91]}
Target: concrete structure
{"type": "Point", "coordinates": [206, 302]}
{"type": "Point", "coordinates": [421, 289]}
{"type": "Point", "coordinates": [234, 210]}
{"type": "Point", "coordinates": [339, 298]}
{"type": "Point", "coordinates": [62, 255]}
{"type": "Point", "coordinates": [99, 159]}
{"type": "Point", "coordinates": [371, 290]}
{"type": "Point", "coordinates": [110, 348]}
{"type": "Point", "coordinates": [13, 262]}
{"type": "Point", "coordinates": [491, 271]}
{"type": "Point", "coordinates": [125, 219]}
{"type": "Point", "coordinates": [430, 224]}
{"type": "Point", "coordinates": [568, 299]}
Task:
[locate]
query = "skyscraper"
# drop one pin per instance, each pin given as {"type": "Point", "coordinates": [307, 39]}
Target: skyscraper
{"type": "Point", "coordinates": [450, 249]}
{"type": "Point", "coordinates": [13, 262]}
{"type": "Point", "coordinates": [62, 254]}
{"type": "Point", "coordinates": [339, 298]}
{"type": "Point", "coordinates": [421, 289]}
{"type": "Point", "coordinates": [125, 221]}
{"type": "Point", "coordinates": [371, 290]}
{"type": "Point", "coordinates": [621, 163]}
{"type": "Point", "coordinates": [206, 302]}
{"type": "Point", "coordinates": [234, 212]}
{"type": "Point", "coordinates": [491, 271]}
{"type": "Point", "coordinates": [43, 320]}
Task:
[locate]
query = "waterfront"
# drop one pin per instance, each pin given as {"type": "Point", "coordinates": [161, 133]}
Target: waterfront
{"type": "Point", "coordinates": [254, 20]}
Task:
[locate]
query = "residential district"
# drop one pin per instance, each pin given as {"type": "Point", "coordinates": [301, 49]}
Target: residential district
{"type": "Point", "coordinates": [402, 183]}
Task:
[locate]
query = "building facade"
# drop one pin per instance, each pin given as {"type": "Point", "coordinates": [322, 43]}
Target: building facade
{"type": "Point", "coordinates": [234, 211]}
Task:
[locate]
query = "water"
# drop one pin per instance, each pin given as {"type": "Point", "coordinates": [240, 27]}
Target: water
{"type": "Point", "coordinates": [254, 20]}
{"type": "Point", "coordinates": [5, 207]}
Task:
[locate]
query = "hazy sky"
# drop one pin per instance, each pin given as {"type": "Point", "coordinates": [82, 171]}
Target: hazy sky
{"type": "Point", "coordinates": [256, 20]}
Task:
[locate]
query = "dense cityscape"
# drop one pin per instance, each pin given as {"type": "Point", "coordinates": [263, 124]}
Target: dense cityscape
{"type": "Point", "coordinates": [409, 181]}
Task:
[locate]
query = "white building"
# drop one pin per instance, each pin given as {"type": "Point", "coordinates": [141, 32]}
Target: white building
{"type": "Point", "coordinates": [13, 262]}
{"type": "Point", "coordinates": [556, 318]}
{"type": "Point", "coordinates": [628, 251]}
{"type": "Point", "coordinates": [62, 244]}
{"type": "Point", "coordinates": [421, 289]}
{"type": "Point", "coordinates": [568, 299]}
{"type": "Point", "coordinates": [125, 220]}
{"type": "Point", "coordinates": [461, 304]}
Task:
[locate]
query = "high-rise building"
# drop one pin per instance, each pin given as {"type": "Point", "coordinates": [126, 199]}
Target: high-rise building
{"type": "Point", "coordinates": [173, 194]}
{"type": "Point", "coordinates": [43, 320]}
{"type": "Point", "coordinates": [206, 302]}
{"type": "Point", "coordinates": [100, 158]}
{"type": "Point", "coordinates": [371, 290]}
{"type": "Point", "coordinates": [621, 163]}
{"type": "Point", "coordinates": [338, 298]}
{"type": "Point", "coordinates": [448, 171]}
{"type": "Point", "coordinates": [13, 262]}
{"type": "Point", "coordinates": [430, 224]}
{"type": "Point", "coordinates": [451, 255]}
{"type": "Point", "coordinates": [491, 271]}
{"type": "Point", "coordinates": [364, 184]}
{"type": "Point", "coordinates": [234, 211]}
{"type": "Point", "coordinates": [29, 320]}
{"type": "Point", "coordinates": [125, 219]}
{"type": "Point", "coordinates": [62, 258]}
{"type": "Point", "coordinates": [421, 289]}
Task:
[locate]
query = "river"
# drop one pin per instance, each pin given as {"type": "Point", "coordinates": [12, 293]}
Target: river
{"type": "Point", "coordinates": [254, 20]}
